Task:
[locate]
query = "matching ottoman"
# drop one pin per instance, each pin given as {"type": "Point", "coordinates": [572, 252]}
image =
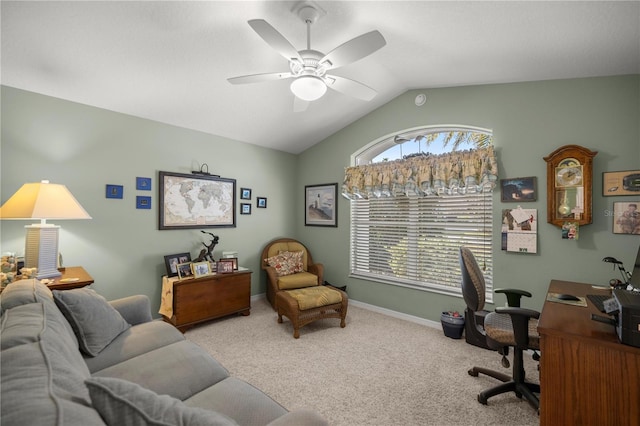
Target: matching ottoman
{"type": "Point", "coordinates": [305, 305]}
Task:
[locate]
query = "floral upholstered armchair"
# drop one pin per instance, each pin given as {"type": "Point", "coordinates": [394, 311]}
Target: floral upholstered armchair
{"type": "Point", "coordinates": [289, 266]}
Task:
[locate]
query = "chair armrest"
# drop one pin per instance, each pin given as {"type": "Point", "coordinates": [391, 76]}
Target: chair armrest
{"type": "Point", "coordinates": [134, 309]}
{"type": "Point", "coordinates": [520, 321]}
{"type": "Point", "coordinates": [318, 270]}
{"type": "Point", "coordinates": [513, 295]}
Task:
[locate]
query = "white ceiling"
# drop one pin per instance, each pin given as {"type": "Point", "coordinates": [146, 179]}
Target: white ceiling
{"type": "Point", "coordinates": [169, 61]}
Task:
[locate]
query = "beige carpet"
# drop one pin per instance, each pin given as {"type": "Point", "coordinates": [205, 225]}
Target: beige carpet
{"type": "Point", "coordinates": [379, 370]}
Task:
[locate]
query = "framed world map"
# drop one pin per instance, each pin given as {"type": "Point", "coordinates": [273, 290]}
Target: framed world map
{"type": "Point", "coordinates": [196, 201]}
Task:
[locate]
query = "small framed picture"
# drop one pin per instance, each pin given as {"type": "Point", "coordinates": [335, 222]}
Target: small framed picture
{"type": "Point", "coordinates": [261, 203]}
{"type": "Point", "coordinates": [172, 261]}
{"type": "Point", "coordinates": [245, 208]}
{"type": "Point", "coordinates": [626, 218]}
{"type": "Point", "coordinates": [626, 182]}
{"type": "Point", "coordinates": [200, 269]}
{"type": "Point", "coordinates": [225, 266]}
{"type": "Point", "coordinates": [184, 270]}
{"type": "Point", "coordinates": [245, 193]}
{"type": "Point", "coordinates": [114, 191]}
{"type": "Point", "coordinates": [143, 202]}
{"type": "Point", "coordinates": [320, 207]}
{"type": "Point", "coordinates": [519, 190]}
{"type": "Point", "coordinates": [234, 261]}
{"type": "Point", "coordinates": [143, 184]}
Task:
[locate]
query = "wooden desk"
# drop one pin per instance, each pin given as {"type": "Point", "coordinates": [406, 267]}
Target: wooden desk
{"type": "Point", "coordinates": [587, 377]}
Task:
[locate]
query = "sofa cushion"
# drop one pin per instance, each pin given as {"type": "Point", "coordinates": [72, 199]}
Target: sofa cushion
{"type": "Point", "coordinates": [239, 400]}
{"type": "Point", "coordinates": [121, 402]}
{"type": "Point", "coordinates": [137, 340]}
{"type": "Point", "coordinates": [95, 322]}
{"type": "Point", "coordinates": [23, 292]}
{"type": "Point", "coordinates": [42, 373]}
{"type": "Point", "coordinates": [180, 370]}
{"type": "Point", "coordinates": [299, 280]}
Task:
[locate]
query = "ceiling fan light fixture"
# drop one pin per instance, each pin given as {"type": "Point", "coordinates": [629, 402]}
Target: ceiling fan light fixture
{"type": "Point", "coordinates": [308, 87]}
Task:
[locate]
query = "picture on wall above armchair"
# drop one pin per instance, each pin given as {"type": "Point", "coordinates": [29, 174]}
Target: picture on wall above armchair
{"type": "Point", "coordinates": [196, 201]}
{"type": "Point", "coordinates": [320, 205]}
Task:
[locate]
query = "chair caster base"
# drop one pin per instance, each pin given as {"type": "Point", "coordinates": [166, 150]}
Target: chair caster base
{"type": "Point", "coordinates": [482, 400]}
{"type": "Point", "coordinates": [473, 372]}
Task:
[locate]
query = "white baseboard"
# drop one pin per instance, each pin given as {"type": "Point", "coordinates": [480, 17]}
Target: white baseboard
{"type": "Point", "coordinates": [378, 309]}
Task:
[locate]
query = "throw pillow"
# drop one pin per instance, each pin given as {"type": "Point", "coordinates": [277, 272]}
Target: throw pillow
{"type": "Point", "coordinates": [121, 402]}
{"type": "Point", "coordinates": [286, 262]}
{"type": "Point", "coordinates": [94, 321]}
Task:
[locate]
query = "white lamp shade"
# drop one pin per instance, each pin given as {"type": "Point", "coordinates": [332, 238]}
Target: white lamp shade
{"type": "Point", "coordinates": [43, 200]}
{"type": "Point", "coordinates": [308, 87]}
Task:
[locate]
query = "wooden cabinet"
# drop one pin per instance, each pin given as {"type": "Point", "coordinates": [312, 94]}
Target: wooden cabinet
{"type": "Point", "coordinates": [192, 301]}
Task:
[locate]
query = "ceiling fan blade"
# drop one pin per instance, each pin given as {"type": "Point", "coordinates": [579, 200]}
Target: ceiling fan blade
{"type": "Point", "coordinates": [354, 49]}
{"type": "Point", "coordinates": [299, 105]}
{"type": "Point", "coordinates": [259, 78]}
{"type": "Point", "coordinates": [350, 87]}
{"type": "Point", "coordinates": [274, 39]}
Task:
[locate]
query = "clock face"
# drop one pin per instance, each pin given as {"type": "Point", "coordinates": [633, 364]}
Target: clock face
{"type": "Point", "coordinates": [569, 176]}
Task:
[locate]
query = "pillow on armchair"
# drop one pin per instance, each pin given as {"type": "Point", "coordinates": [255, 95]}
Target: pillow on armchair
{"type": "Point", "coordinates": [286, 263]}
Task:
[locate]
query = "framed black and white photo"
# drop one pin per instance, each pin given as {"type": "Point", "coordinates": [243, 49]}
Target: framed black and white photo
{"type": "Point", "coordinates": [172, 261]}
{"type": "Point", "coordinates": [196, 201]}
{"type": "Point", "coordinates": [321, 208]}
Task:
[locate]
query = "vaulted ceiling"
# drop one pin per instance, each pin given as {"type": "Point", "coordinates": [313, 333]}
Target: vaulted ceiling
{"type": "Point", "coordinates": [170, 61]}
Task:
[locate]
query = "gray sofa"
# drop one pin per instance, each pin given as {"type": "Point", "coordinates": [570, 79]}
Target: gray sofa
{"type": "Point", "coordinates": [72, 358]}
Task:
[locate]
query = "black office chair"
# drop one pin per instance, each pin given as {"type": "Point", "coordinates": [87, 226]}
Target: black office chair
{"type": "Point", "coordinates": [510, 326]}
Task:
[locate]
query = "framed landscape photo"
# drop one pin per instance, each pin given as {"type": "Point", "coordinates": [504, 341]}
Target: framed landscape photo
{"type": "Point", "coordinates": [196, 201]}
{"type": "Point", "coordinates": [626, 218]}
{"type": "Point", "coordinates": [321, 208]}
{"type": "Point", "coordinates": [518, 190]}
{"type": "Point", "coordinates": [172, 261]}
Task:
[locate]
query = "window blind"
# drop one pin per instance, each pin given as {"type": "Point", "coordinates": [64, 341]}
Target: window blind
{"type": "Point", "coordinates": [414, 241]}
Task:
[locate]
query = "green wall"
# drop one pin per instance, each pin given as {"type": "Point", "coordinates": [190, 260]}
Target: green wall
{"type": "Point", "coordinates": [529, 121]}
{"type": "Point", "coordinates": [86, 148]}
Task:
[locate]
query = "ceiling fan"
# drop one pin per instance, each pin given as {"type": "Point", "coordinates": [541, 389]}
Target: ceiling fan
{"type": "Point", "coordinates": [308, 68]}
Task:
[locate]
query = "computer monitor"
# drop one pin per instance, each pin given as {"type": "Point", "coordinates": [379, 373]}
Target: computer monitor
{"type": "Point", "coordinates": [635, 275]}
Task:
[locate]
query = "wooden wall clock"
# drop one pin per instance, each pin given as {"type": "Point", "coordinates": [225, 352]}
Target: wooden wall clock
{"type": "Point", "coordinates": [569, 185]}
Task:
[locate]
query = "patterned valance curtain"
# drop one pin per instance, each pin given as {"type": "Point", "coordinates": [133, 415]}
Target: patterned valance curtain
{"type": "Point", "coordinates": [460, 172]}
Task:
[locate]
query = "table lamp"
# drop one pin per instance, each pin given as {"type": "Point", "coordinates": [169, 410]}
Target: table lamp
{"type": "Point", "coordinates": [42, 201]}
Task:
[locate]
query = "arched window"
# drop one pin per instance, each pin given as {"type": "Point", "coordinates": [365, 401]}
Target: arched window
{"type": "Point", "coordinates": [416, 197]}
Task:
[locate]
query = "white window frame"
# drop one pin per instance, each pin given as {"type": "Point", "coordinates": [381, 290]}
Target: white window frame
{"type": "Point", "coordinates": [410, 224]}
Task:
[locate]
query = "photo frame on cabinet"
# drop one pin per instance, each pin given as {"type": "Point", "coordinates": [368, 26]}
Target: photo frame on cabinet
{"type": "Point", "coordinates": [200, 269]}
{"type": "Point", "coordinates": [321, 208]}
{"type": "Point", "coordinates": [185, 271]}
{"type": "Point", "coordinates": [225, 266]}
{"type": "Point", "coordinates": [171, 262]}
{"type": "Point", "coordinates": [188, 201]}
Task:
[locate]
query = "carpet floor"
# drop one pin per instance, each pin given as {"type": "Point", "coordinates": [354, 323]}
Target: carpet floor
{"type": "Point", "coordinates": [379, 370]}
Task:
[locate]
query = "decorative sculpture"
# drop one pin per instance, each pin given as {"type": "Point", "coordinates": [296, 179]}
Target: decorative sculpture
{"type": "Point", "coordinates": [207, 252]}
